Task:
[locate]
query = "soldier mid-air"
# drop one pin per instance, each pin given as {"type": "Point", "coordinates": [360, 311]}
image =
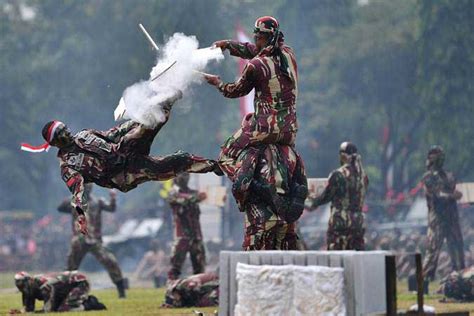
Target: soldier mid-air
{"type": "Point", "coordinates": [443, 217]}
{"type": "Point", "coordinates": [117, 158]}
{"type": "Point", "coordinates": [81, 245]}
{"type": "Point", "coordinates": [272, 72]}
{"type": "Point", "coordinates": [187, 228]}
{"type": "Point", "coordinates": [345, 190]}
{"type": "Point", "coordinates": [61, 292]}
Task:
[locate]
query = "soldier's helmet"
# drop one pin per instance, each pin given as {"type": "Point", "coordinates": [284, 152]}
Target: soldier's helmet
{"type": "Point", "coordinates": [51, 129]}
{"type": "Point", "coordinates": [266, 24]}
{"type": "Point", "coordinates": [435, 157]}
{"type": "Point", "coordinates": [22, 280]}
{"type": "Point", "coordinates": [348, 148]}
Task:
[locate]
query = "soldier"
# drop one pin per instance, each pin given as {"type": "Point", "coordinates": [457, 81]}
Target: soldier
{"type": "Point", "coordinates": [154, 264]}
{"type": "Point", "coordinates": [459, 285]}
{"type": "Point", "coordinates": [443, 218]}
{"type": "Point", "coordinates": [118, 158]}
{"type": "Point", "coordinates": [266, 226]}
{"type": "Point", "coordinates": [272, 72]}
{"type": "Point", "coordinates": [198, 290]}
{"type": "Point", "coordinates": [81, 245]}
{"type": "Point", "coordinates": [345, 190]}
{"type": "Point", "coordinates": [61, 292]}
{"type": "Point", "coordinates": [187, 228]}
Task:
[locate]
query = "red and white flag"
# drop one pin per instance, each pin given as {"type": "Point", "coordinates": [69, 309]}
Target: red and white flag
{"type": "Point", "coordinates": [246, 102]}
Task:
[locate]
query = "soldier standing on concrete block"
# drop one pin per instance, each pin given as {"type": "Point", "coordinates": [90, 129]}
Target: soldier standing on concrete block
{"type": "Point", "coordinates": [187, 228]}
{"type": "Point", "coordinates": [345, 190]}
{"type": "Point", "coordinates": [443, 217]}
{"type": "Point", "coordinates": [82, 244]}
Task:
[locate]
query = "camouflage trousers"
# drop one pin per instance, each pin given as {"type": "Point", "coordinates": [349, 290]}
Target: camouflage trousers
{"type": "Point", "coordinates": [80, 247]}
{"type": "Point", "coordinates": [181, 247]}
{"type": "Point", "coordinates": [250, 134]}
{"type": "Point", "coordinates": [267, 231]}
{"type": "Point", "coordinates": [440, 228]}
{"type": "Point", "coordinates": [459, 285]}
{"type": "Point", "coordinates": [75, 299]}
{"type": "Point", "coordinates": [346, 231]}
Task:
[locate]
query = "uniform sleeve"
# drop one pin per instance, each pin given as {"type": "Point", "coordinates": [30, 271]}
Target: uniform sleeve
{"type": "Point", "coordinates": [28, 302]}
{"type": "Point", "coordinates": [109, 206]}
{"type": "Point", "coordinates": [75, 184]}
{"type": "Point", "coordinates": [242, 50]}
{"type": "Point", "coordinates": [116, 133]}
{"type": "Point", "coordinates": [48, 293]}
{"type": "Point", "coordinates": [433, 187]}
{"type": "Point", "coordinates": [243, 85]}
{"type": "Point", "coordinates": [335, 181]}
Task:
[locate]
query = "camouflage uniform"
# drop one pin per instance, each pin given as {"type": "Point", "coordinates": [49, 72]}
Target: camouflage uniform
{"type": "Point", "coordinates": [443, 220]}
{"type": "Point", "coordinates": [198, 290]}
{"type": "Point", "coordinates": [281, 167]}
{"type": "Point", "coordinates": [187, 231]}
{"type": "Point", "coordinates": [81, 245]}
{"type": "Point", "coordinates": [459, 285]}
{"type": "Point", "coordinates": [274, 120]}
{"type": "Point", "coordinates": [63, 291]}
{"type": "Point", "coordinates": [345, 190]}
{"type": "Point", "coordinates": [119, 158]}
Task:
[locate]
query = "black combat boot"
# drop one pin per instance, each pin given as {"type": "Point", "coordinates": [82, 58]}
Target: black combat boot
{"type": "Point", "coordinates": [121, 288]}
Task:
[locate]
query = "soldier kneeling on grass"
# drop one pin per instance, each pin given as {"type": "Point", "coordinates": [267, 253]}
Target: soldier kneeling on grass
{"type": "Point", "coordinates": [60, 291]}
{"type": "Point", "coordinates": [199, 290]}
{"type": "Point", "coordinates": [458, 286]}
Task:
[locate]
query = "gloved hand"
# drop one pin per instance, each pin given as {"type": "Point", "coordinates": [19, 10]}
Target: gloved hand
{"type": "Point", "coordinates": [223, 44]}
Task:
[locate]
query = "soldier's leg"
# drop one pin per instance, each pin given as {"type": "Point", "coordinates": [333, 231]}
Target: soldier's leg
{"type": "Point", "coordinates": [336, 240]}
{"type": "Point", "coordinates": [292, 239]}
{"type": "Point", "coordinates": [198, 256]}
{"type": "Point", "coordinates": [76, 253]}
{"type": "Point", "coordinates": [356, 232]}
{"type": "Point", "coordinates": [108, 260]}
{"type": "Point", "coordinates": [455, 244]}
{"type": "Point", "coordinates": [160, 168]}
{"type": "Point", "coordinates": [76, 298]}
{"type": "Point", "coordinates": [178, 255]}
{"type": "Point", "coordinates": [435, 242]}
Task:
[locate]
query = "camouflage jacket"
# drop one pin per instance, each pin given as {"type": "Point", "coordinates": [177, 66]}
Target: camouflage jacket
{"type": "Point", "coordinates": [186, 213]}
{"type": "Point", "coordinates": [459, 285]}
{"type": "Point", "coordinates": [93, 215]}
{"type": "Point", "coordinates": [95, 156]}
{"type": "Point", "coordinates": [278, 165]}
{"type": "Point", "coordinates": [52, 288]}
{"type": "Point", "coordinates": [345, 190]}
{"type": "Point", "coordinates": [275, 93]}
{"type": "Point", "coordinates": [197, 290]}
{"type": "Point", "coordinates": [439, 187]}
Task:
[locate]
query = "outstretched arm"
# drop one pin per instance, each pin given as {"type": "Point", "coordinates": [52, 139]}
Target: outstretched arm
{"type": "Point", "coordinates": [111, 205]}
{"type": "Point", "coordinates": [238, 49]}
{"type": "Point", "coordinates": [336, 181]}
{"type": "Point", "coordinates": [237, 89]}
{"type": "Point", "coordinates": [75, 184]}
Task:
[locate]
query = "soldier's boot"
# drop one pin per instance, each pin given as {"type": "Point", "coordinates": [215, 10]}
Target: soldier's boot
{"type": "Point", "coordinates": [298, 197]}
{"type": "Point", "coordinates": [121, 288]}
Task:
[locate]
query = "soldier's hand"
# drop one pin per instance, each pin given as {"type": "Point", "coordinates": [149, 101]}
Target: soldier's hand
{"type": "Point", "coordinates": [223, 45]}
{"type": "Point", "coordinates": [213, 80]}
{"type": "Point", "coordinates": [81, 224]}
{"type": "Point", "coordinates": [202, 196]}
{"type": "Point", "coordinates": [113, 193]}
{"type": "Point", "coordinates": [457, 195]}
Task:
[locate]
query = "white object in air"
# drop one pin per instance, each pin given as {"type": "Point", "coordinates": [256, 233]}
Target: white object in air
{"type": "Point", "coordinates": [119, 111]}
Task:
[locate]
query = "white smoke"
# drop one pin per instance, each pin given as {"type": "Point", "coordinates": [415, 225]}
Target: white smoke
{"type": "Point", "coordinates": [141, 101]}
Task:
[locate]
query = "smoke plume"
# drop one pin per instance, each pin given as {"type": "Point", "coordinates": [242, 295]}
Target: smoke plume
{"type": "Point", "coordinates": [142, 100]}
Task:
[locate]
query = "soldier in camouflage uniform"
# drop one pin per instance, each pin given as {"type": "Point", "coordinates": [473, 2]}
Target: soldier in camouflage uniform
{"type": "Point", "coordinates": [81, 245]}
{"type": "Point", "coordinates": [459, 285]}
{"type": "Point", "coordinates": [268, 227]}
{"type": "Point", "coordinates": [272, 72]}
{"type": "Point", "coordinates": [61, 292]}
{"type": "Point", "coordinates": [443, 218]}
{"type": "Point", "coordinates": [118, 158]}
{"type": "Point", "coordinates": [187, 228]}
{"type": "Point", "coordinates": [198, 290]}
{"type": "Point", "coordinates": [345, 190]}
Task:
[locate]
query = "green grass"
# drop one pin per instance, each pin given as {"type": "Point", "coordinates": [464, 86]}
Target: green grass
{"type": "Point", "coordinates": [138, 302]}
{"type": "Point", "coordinates": [147, 301]}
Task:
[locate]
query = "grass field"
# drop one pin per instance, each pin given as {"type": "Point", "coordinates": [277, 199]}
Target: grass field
{"type": "Point", "coordinates": [147, 301]}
